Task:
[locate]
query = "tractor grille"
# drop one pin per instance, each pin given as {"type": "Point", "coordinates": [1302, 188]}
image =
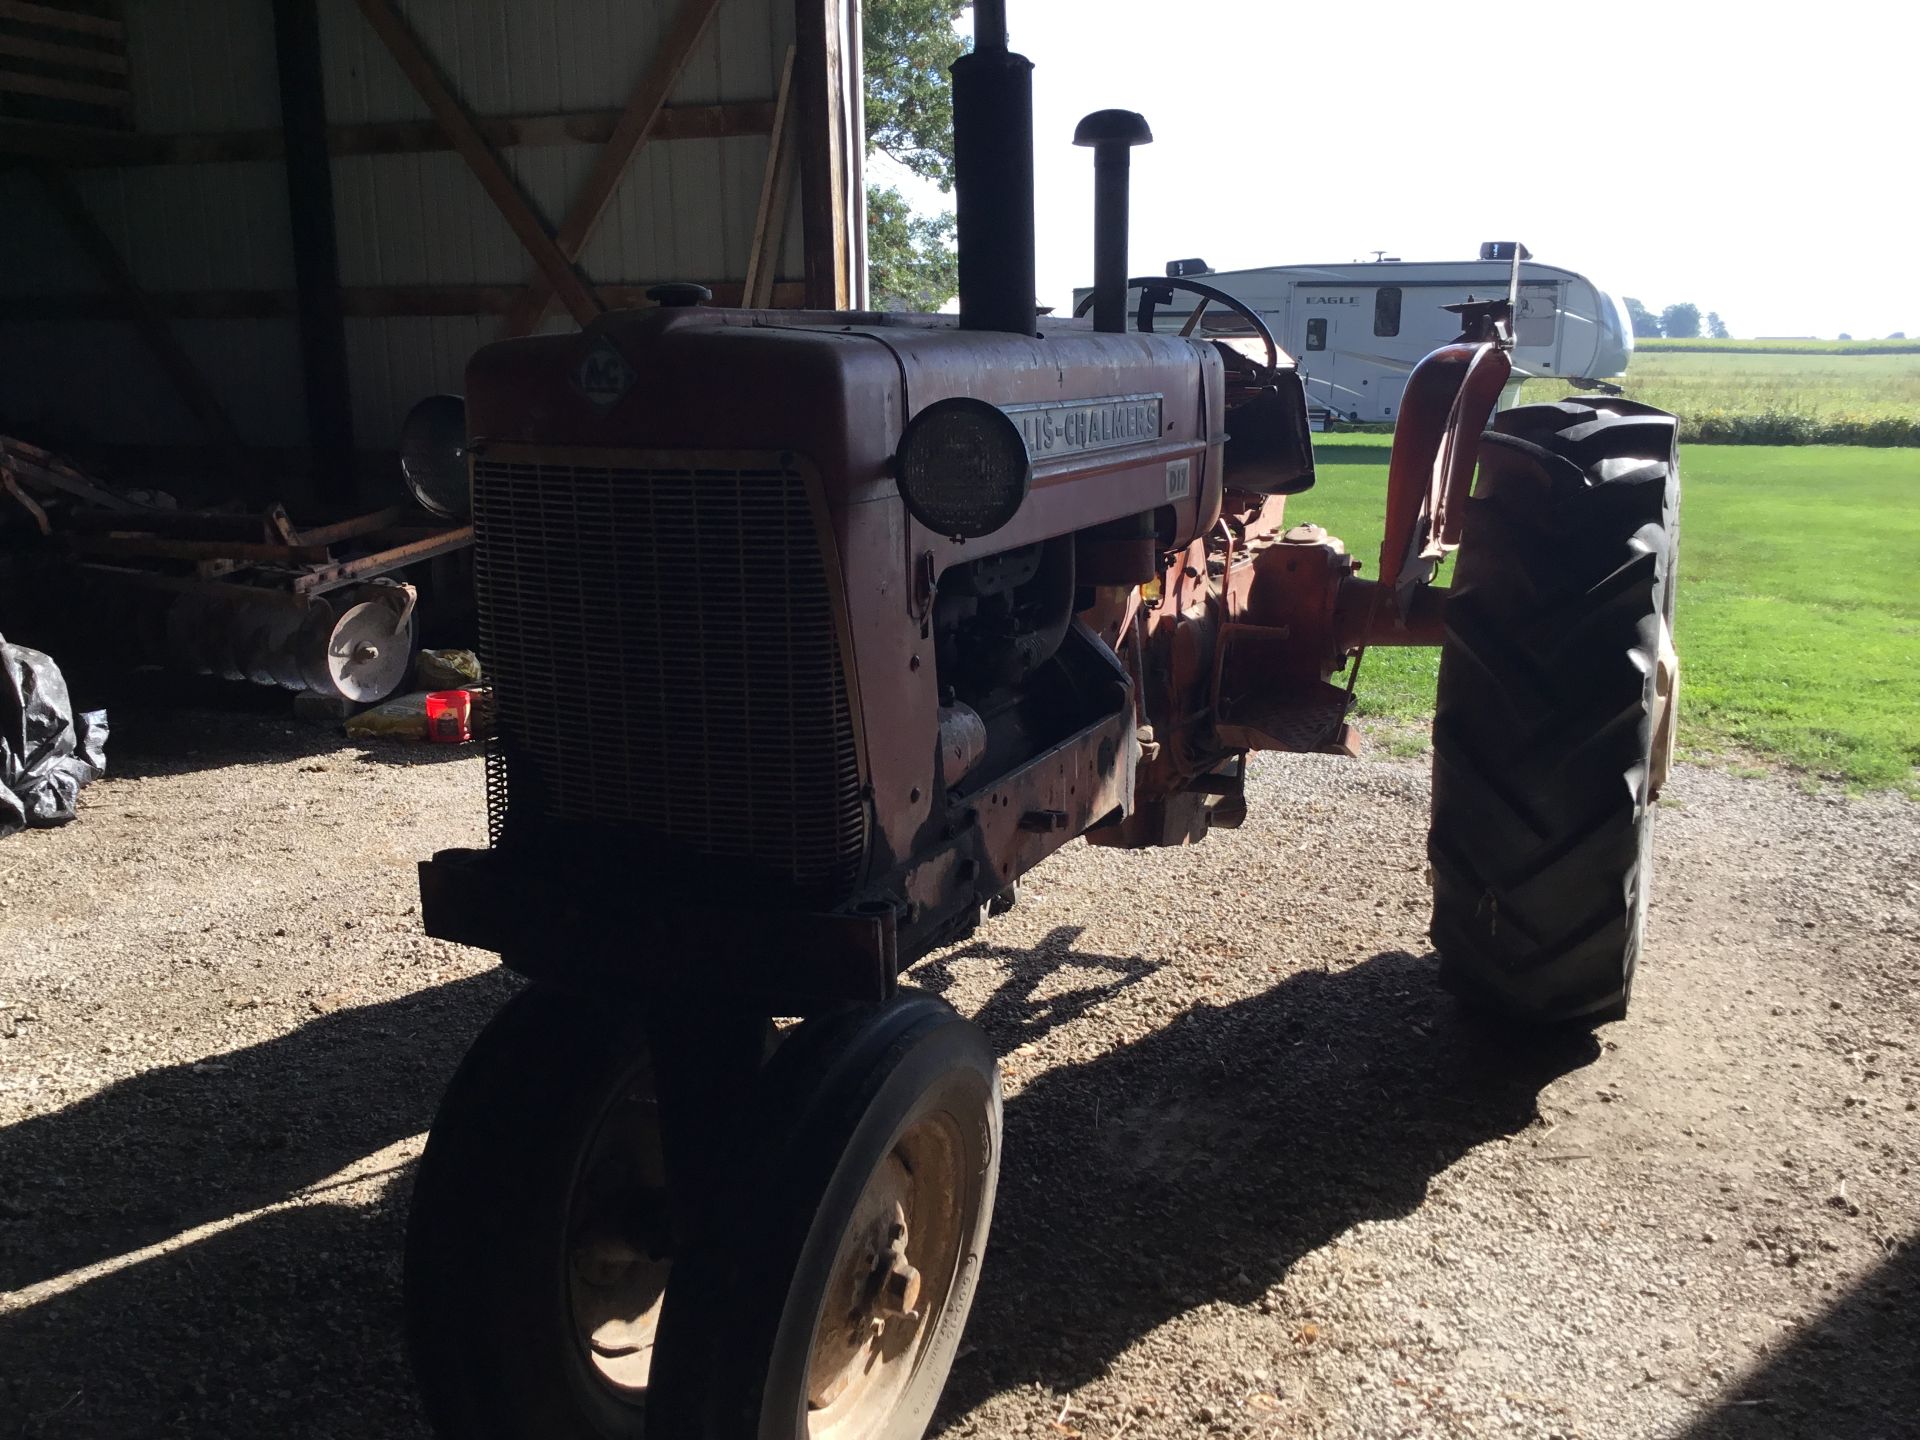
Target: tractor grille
{"type": "Point", "coordinates": [662, 644]}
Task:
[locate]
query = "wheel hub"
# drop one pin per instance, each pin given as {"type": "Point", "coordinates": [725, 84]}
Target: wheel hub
{"type": "Point", "coordinates": [617, 1246]}
{"type": "Point", "coordinates": [895, 1265]}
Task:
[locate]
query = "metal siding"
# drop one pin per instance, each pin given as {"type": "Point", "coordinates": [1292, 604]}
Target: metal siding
{"type": "Point", "coordinates": [400, 360]}
{"type": "Point", "coordinates": [36, 256]}
{"type": "Point", "coordinates": [202, 65]}
{"type": "Point", "coordinates": [95, 380]}
{"type": "Point", "coordinates": [514, 57]}
{"type": "Point", "coordinates": [178, 228]}
{"type": "Point", "coordinates": [254, 368]}
{"type": "Point", "coordinates": [685, 210]}
{"type": "Point", "coordinates": [196, 227]}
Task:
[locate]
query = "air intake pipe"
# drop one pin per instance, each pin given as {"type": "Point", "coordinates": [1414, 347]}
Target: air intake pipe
{"type": "Point", "coordinates": [993, 178]}
{"type": "Point", "coordinates": [1112, 134]}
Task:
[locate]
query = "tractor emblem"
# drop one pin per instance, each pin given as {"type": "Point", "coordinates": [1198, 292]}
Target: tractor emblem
{"type": "Point", "coordinates": [604, 375]}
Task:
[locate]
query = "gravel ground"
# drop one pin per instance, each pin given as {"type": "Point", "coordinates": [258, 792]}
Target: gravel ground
{"type": "Point", "coordinates": [1261, 1176]}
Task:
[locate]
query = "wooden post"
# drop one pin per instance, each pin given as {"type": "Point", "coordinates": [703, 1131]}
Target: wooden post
{"type": "Point", "coordinates": [316, 251]}
{"type": "Point", "coordinates": [821, 137]}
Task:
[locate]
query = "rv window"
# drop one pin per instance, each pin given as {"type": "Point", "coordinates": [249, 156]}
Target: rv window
{"type": "Point", "coordinates": [1386, 310]}
{"type": "Point", "coordinates": [1317, 334]}
{"type": "Point", "coordinates": [1534, 325]}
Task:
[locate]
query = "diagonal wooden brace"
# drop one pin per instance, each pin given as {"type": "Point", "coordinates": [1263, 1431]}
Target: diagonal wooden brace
{"type": "Point", "coordinates": [175, 363]}
{"type": "Point", "coordinates": [556, 269]}
{"type": "Point", "coordinates": [636, 123]}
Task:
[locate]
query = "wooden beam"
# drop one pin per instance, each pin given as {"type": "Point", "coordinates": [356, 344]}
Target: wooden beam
{"type": "Point", "coordinates": [404, 46]}
{"type": "Point", "coordinates": [73, 57]}
{"type": "Point", "coordinates": [73, 146]}
{"type": "Point", "coordinates": [769, 221]}
{"type": "Point", "coordinates": [108, 97]}
{"type": "Point", "coordinates": [589, 127]}
{"type": "Point", "coordinates": [316, 249]}
{"type": "Point", "coordinates": [82, 146]}
{"type": "Point", "coordinates": [152, 325]}
{"type": "Point", "coordinates": [356, 302]}
{"type": "Point", "coordinates": [57, 19]}
{"type": "Point", "coordinates": [636, 121]}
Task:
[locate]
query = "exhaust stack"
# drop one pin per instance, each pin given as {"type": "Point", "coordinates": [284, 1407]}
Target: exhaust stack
{"type": "Point", "coordinates": [993, 178]}
{"type": "Point", "coordinates": [1112, 134]}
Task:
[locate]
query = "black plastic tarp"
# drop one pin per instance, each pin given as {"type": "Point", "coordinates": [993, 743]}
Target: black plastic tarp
{"type": "Point", "coordinates": [46, 752]}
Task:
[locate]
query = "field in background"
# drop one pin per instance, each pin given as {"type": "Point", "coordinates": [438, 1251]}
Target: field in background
{"type": "Point", "coordinates": [1778, 397]}
{"type": "Point", "coordinates": [1799, 608]}
{"type": "Point", "coordinates": [1778, 347]}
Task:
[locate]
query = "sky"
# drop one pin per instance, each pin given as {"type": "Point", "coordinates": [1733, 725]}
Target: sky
{"type": "Point", "coordinates": [1759, 160]}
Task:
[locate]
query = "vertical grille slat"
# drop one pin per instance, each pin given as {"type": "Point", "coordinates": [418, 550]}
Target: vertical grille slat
{"type": "Point", "coordinates": [662, 648]}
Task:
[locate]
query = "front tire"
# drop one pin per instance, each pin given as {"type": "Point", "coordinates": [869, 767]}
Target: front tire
{"type": "Point", "coordinates": [538, 1240]}
{"type": "Point", "coordinates": [1555, 686]}
{"type": "Point", "coordinates": [827, 1301]}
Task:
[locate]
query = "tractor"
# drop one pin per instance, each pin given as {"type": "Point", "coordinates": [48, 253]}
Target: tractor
{"type": "Point", "coordinates": [809, 634]}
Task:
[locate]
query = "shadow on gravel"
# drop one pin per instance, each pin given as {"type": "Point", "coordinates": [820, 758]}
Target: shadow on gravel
{"type": "Point", "coordinates": [177, 1147]}
{"type": "Point", "coordinates": [165, 724]}
{"type": "Point", "coordinates": [1202, 1162]}
{"type": "Point", "coordinates": [287, 1326]}
{"type": "Point", "coordinates": [1198, 1163]}
{"type": "Point", "coordinates": [1015, 1014]}
{"type": "Point", "coordinates": [1852, 1374]}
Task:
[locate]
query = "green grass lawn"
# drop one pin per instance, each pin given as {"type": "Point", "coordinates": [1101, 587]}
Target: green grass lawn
{"type": "Point", "coordinates": [1761, 397]}
{"type": "Point", "coordinates": [1799, 608]}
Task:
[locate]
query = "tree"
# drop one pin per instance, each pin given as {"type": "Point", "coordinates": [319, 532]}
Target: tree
{"type": "Point", "coordinates": [910, 47]}
{"type": "Point", "coordinates": [1716, 327]}
{"type": "Point", "coordinates": [1681, 321]}
{"type": "Point", "coordinates": [1646, 325]}
{"type": "Point", "coordinates": [911, 262]}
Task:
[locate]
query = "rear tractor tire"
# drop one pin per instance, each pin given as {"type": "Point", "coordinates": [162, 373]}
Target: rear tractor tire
{"type": "Point", "coordinates": [1553, 728]}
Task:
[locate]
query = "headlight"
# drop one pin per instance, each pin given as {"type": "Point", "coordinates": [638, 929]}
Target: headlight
{"type": "Point", "coordinates": [433, 456]}
{"type": "Point", "coordinates": [963, 468]}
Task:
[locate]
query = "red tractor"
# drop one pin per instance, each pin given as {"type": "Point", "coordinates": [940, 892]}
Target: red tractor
{"type": "Point", "coordinates": [810, 633]}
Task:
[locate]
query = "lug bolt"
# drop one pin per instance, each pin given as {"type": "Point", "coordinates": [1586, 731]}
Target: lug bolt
{"type": "Point", "coordinates": [900, 1291]}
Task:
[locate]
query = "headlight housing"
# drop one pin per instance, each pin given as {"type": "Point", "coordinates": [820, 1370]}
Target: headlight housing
{"type": "Point", "coordinates": [963, 468]}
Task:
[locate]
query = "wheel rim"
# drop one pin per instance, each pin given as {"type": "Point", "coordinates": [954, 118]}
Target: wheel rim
{"type": "Point", "coordinates": [891, 1279]}
{"type": "Point", "coordinates": [618, 1243]}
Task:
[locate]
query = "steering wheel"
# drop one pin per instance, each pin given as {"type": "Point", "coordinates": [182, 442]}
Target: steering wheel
{"type": "Point", "coordinates": [1157, 290]}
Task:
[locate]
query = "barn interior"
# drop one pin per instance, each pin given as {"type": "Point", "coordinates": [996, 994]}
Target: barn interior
{"type": "Point", "coordinates": [246, 240]}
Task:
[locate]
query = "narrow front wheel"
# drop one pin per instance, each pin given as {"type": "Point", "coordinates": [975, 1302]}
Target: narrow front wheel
{"type": "Point", "coordinates": [539, 1242]}
{"type": "Point", "coordinates": [827, 1299]}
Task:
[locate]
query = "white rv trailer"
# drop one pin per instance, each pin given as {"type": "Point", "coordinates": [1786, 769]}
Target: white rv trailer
{"type": "Point", "coordinates": [1358, 330]}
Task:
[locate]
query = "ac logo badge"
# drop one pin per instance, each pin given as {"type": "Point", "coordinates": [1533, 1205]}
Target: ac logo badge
{"type": "Point", "coordinates": [604, 375]}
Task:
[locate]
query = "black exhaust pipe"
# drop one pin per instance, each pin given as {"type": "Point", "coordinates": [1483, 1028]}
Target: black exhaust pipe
{"type": "Point", "coordinates": [993, 178]}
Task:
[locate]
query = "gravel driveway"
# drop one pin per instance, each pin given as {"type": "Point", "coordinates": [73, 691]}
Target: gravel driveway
{"type": "Point", "coordinates": [1261, 1177]}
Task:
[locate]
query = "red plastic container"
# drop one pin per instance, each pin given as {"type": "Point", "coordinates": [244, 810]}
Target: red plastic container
{"type": "Point", "coordinates": [449, 716]}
